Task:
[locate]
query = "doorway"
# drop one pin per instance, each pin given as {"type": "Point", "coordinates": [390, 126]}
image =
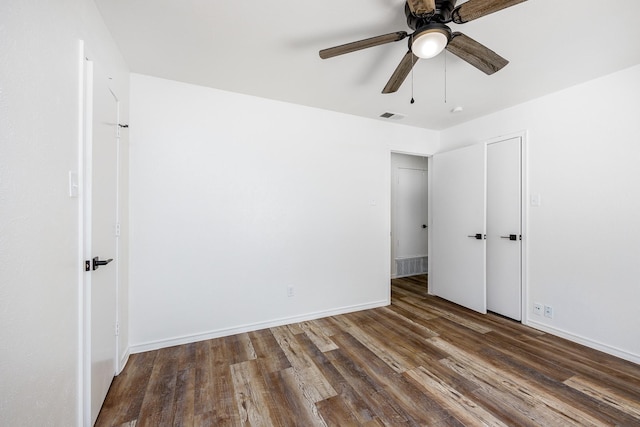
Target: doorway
{"type": "Point", "coordinates": [409, 215]}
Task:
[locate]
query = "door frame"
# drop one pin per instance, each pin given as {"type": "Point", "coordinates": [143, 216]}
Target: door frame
{"type": "Point", "coordinates": [524, 214]}
{"type": "Point", "coordinates": [393, 205]}
{"type": "Point", "coordinates": [85, 141]}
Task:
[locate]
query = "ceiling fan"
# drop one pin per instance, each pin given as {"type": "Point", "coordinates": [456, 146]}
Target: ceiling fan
{"type": "Point", "coordinates": [428, 19]}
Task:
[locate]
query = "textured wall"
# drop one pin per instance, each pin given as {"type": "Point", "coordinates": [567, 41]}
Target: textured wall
{"type": "Point", "coordinates": [39, 222]}
{"type": "Point", "coordinates": [234, 198]}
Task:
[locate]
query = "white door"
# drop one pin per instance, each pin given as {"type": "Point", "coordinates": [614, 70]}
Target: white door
{"type": "Point", "coordinates": [504, 228]}
{"type": "Point", "coordinates": [101, 164]}
{"type": "Point", "coordinates": [457, 264]}
{"type": "Point", "coordinates": [411, 222]}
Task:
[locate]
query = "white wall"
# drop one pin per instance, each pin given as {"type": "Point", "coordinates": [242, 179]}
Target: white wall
{"type": "Point", "coordinates": [235, 198]}
{"type": "Point", "coordinates": [39, 222]}
{"type": "Point", "coordinates": [584, 240]}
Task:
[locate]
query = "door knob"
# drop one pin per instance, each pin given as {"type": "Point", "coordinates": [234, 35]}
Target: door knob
{"type": "Point", "coordinates": [478, 236]}
{"type": "Point", "coordinates": [97, 263]}
{"type": "Point", "coordinates": [510, 237]}
{"type": "Point", "coordinates": [424, 225]}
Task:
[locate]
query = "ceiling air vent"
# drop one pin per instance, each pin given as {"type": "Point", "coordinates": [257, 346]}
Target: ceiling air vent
{"type": "Point", "coordinates": [392, 116]}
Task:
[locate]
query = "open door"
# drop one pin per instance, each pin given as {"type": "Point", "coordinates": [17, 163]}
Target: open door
{"type": "Point", "coordinates": [457, 269]}
{"type": "Point", "coordinates": [100, 231]}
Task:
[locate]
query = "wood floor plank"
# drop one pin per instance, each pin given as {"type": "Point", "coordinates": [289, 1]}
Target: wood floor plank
{"type": "Point", "coordinates": [402, 337]}
{"type": "Point", "coordinates": [314, 385]}
{"type": "Point", "coordinates": [184, 396]}
{"type": "Point", "coordinates": [239, 348]}
{"type": "Point", "coordinates": [545, 385]}
{"type": "Point", "coordinates": [297, 401]}
{"type": "Point", "coordinates": [132, 381]}
{"type": "Point", "coordinates": [526, 393]}
{"type": "Point", "coordinates": [460, 406]}
{"type": "Point", "coordinates": [251, 394]}
{"type": "Point", "coordinates": [157, 407]}
{"type": "Point", "coordinates": [368, 390]}
{"type": "Point", "coordinates": [420, 361]}
{"type": "Point", "coordinates": [616, 366]}
{"type": "Point", "coordinates": [520, 352]}
{"type": "Point", "coordinates": [204, 376]}
{"type": "Point", "coordinates": [409, 311]}
{"type": "Point", "coordinates": [417, 407]}
{"type": "Point", "coordinates": [381, 348]}
{"type": "Point", "coordinates": [317, 335]}
{"type": "Point", "coordinates": [624, 403]}
{"type": "Point", "coordinates": [215, 398]}
{"type": "Point", "coordinates": [459, 315]}
{"type": "Point", "coordinates": [336, 412]}
{"type": "Point", "coordinates": [351, 403]}
{"type": "Point", "coordinates": [268, 350]}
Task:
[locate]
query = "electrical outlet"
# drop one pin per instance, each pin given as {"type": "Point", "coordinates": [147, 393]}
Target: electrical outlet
{"type": "Point", "coordinates": [537, 309]}
{"type": "Point", "coordinates": [548, 311]}
{"type": "Point", "coordinates": [290, 291]}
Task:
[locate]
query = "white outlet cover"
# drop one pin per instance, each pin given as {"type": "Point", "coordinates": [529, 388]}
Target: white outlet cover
{"type": "Point", "coordinates": [536, 200]}
{"type": "Point", "coordinates": [537, 309]}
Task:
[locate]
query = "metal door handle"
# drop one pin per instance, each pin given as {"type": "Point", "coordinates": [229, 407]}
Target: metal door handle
{"type": "Point", "coordinates": [97, 263]}
{"type": "Point", "coordinates": [478, 236]}
{"type": "Point", "coordinates": [510, 237]}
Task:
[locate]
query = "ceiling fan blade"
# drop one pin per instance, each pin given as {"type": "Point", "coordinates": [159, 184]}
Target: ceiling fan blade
{"type": "Point", "coordinates": [422, 7]}
{"type": "Point", "coordinates": [362, 44]}
{"type": "Point", "coordinates": [474, 9]}
{"type": "Point", "coordinates": [476, 54]}
{"type": "Point", "coordinates": [401, 73]}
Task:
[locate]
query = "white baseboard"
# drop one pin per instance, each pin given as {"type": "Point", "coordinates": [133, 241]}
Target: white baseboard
{"type": "Point", "coordinates": [123, 361]}
{"type": "Point", "coordinates": [187, 339]}
{"type": "Point", "coordinates": [585, 341]}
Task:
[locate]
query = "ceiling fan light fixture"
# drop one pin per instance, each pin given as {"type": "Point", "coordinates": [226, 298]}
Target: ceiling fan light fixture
{"type": "Point", "coordinates": [430, 41]}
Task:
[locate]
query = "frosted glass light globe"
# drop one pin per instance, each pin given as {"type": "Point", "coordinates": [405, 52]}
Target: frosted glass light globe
{"type": "Point", "coordinates": [429, 44]}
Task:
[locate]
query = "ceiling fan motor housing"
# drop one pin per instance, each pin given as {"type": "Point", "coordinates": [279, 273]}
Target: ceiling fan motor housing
{"type": "Point", "coordinates": [442, 14]}
{"type": "Point", "coordinates": [430, 28]}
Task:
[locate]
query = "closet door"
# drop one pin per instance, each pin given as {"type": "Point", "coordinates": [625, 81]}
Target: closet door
{"type": "Point", "coordinates": [458, 261]}
{"type": "Point", "coordinates": [504, 228]}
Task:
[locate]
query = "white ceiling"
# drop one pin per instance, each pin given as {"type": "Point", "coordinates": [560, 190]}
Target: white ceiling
{"type": "Point", "coordinates": [270, 49]}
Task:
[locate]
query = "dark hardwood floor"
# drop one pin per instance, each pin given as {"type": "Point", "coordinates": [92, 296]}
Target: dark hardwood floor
{"type": "Point", "coordinates": [421, 361]}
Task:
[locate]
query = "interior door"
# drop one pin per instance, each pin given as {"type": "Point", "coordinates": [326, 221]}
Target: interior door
{"type": "Point", "coordinates": [411, 222]}
{"type": "Point", "coordinates": [457, 265]}
{"type": "Point", "coordinates": [101, 215]}
{"type": "Point", "coordinates": [504, 228]}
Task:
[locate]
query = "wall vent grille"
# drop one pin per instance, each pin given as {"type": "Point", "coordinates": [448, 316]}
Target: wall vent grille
{"type": "Point", "coordinates": [391, 116]}
{"type": "Point", "coordinates": [411, 266]}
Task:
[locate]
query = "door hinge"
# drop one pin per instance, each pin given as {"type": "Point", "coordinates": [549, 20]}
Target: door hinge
{"type": "Point", "coordinates": [117, 329]}
{"type": "Point", "coordinates": [118, 229]}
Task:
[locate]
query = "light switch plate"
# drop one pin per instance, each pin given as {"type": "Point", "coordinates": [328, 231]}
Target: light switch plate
{"type": "Point", "coordinates": [73, 184]}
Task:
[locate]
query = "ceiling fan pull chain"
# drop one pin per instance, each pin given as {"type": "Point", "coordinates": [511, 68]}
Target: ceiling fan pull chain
{"type": "Point", "coordinates": [412, 65]}
{"type": "Point", "coordinates": [445, 76]}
